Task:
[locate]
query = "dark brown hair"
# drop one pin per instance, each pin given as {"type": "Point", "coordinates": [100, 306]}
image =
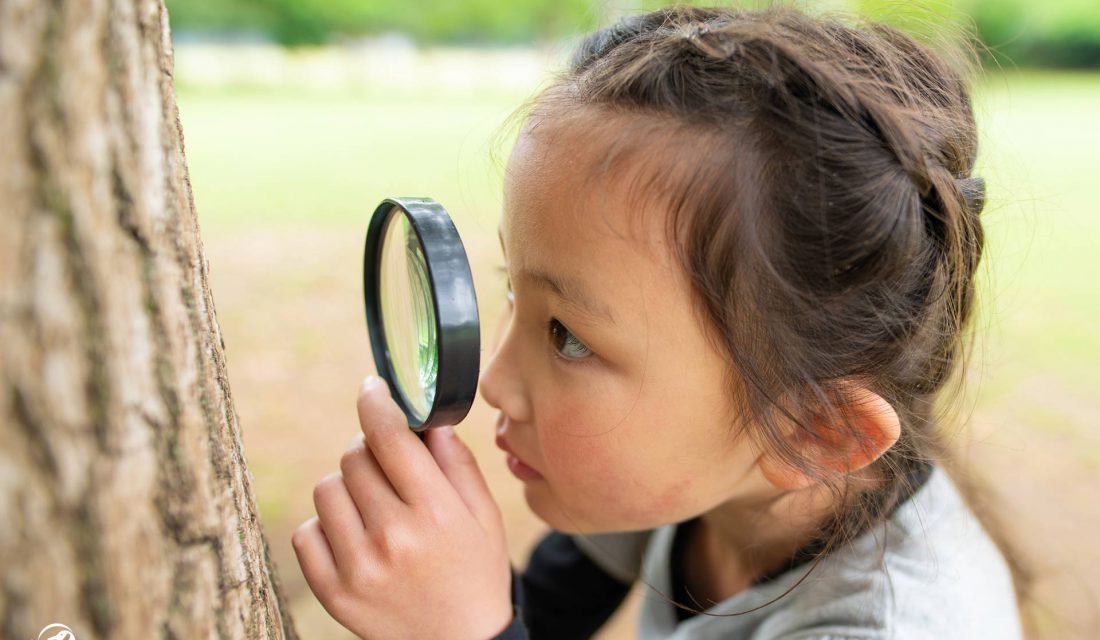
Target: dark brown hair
{"type": "Point", "coordinates": [823, 206]}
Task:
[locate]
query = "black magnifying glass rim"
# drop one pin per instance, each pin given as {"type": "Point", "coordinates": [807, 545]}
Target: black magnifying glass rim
{"type": "Point", "coordinates": [457, 329]}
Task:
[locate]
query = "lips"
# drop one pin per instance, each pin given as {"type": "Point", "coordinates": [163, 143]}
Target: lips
{"type": "Point", "coordinates": [518, 467]}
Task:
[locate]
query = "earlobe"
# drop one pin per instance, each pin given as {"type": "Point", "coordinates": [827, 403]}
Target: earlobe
{"type": "Point", "coordinates": [876, 426]}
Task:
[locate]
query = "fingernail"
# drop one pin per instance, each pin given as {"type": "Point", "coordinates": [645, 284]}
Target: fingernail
{"type": "Point", "coordinates": [447, 430]}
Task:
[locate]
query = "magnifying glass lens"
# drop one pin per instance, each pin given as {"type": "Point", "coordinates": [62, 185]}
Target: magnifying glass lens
{"type": "Point", "coordinates": [408, 315]}
{"type": "Point", "coordinates": [421, 311]}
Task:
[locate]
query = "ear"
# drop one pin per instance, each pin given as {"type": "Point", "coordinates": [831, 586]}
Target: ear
{"type": "Point", "coordinates": [876, 427]}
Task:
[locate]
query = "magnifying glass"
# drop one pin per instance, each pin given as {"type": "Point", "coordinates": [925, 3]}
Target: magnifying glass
{"type": "Point", "coordinates": [421, 311]}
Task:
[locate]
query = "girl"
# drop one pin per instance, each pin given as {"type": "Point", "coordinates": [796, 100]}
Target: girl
{"type": "Point", "coordinates": [740, 249]}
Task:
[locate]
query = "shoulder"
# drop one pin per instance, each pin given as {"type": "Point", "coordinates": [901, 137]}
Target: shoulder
{"type": "Point", "coordinates": [956, 576]}
{"type": "Point", "coordinates": [930, 570]}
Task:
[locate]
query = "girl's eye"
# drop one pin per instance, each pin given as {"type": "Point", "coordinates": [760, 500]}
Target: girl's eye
{"type": "Point", "coordinates": [567, 346]}
{"type": "Point", "coordinates": [565, 343]}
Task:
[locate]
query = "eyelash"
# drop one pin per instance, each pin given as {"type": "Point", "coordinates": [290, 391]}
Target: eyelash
{"type": "Point", "coordinates": [553, 326]}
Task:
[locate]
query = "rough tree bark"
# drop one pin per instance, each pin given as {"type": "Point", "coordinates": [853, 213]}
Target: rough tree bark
{"type": "Point", "coordinates": [127, 509]}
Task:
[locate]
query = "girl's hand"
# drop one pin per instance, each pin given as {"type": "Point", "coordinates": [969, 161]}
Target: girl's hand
{"type": "Point", "coordinates": [408, 542]}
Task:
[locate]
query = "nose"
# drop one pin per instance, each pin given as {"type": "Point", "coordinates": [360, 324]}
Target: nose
{"type": "Point", "coordinates": [501, 380]}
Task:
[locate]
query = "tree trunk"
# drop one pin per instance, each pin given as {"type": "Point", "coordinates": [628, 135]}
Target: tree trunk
{"type": "Point", "coordinates": [127, 510]}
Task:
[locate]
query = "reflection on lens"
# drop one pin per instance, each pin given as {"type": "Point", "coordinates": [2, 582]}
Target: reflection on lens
{"type": "Point", "coordinates": [408, 315]}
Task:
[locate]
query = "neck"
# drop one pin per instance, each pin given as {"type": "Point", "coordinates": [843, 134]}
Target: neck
{"type": "Point", "coordinates": [760, 536]}
{"type": "Point", "coordinates": [739, 541]}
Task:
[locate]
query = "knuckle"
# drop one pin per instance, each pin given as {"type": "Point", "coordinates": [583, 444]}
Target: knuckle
{"type": "Point", "coordinates": [352, 457]}
{"type": "Point", "coordinates": [358, 443]}
{"type": "Point", "coordinates": [361, 576]}
{"type": "Point", "coordinates": [441, 520]}
{"type": "Point", "coordinates": [394, 543]}
{"type": "Point", "coordinates": [298, 538]}
{"type": "Point", "coordinates": [325, 486]}
{"type": "Point", "coordinates": [437, 516]}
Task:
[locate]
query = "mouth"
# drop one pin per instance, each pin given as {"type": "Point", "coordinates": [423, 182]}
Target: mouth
{"type": "Point", "coordinates": [518, 467]}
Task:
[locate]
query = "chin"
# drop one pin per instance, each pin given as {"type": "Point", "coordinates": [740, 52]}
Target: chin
{"type": "Point", "coordinates": [544, 504]}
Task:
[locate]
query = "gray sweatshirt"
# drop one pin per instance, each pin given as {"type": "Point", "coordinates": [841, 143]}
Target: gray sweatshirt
{"type": "Point", "coordinates": [928, 572]}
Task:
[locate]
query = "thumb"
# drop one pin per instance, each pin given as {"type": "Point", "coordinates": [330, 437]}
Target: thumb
{"type": "Point", "coordinates": [459, 465]}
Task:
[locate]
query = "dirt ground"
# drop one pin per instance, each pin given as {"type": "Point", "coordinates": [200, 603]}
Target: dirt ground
{"type": "Point", "coordinates": [290, 306]}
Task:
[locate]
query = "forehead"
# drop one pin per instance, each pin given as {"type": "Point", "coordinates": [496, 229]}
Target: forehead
{"type": "Point", "coordinates": [572, 187]}
{"type": "Point", "coordinates": [564, 216]}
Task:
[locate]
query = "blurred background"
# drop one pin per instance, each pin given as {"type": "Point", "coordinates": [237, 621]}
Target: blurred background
{"type": "Point", "coordinates": [301, 115]}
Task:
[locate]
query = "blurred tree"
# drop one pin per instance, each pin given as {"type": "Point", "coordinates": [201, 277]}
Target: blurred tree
{"type": "Point", "coordinates": [298, 22]}
{"type": "Point", "coordinates": [128, 510]}
{"type": "Point", "coordinates": [1063, 33]}
{"type": "Point", "coordinates": [1014, 32]}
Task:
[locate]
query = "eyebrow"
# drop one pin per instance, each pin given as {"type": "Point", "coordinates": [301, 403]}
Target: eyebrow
{"type": "Point", "coordinates": [568, 290]}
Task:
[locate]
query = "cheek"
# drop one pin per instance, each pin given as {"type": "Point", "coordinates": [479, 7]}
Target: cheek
{"type": "Point", "coordinates": [576, 444]}
{"type": "Point", "coordinates": [571, 434]}
{"type": "Point", "coordinates": [615, 473]}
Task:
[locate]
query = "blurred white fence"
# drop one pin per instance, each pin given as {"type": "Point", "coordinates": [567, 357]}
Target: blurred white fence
{"type": "Point", "coordinates": [384, 63]}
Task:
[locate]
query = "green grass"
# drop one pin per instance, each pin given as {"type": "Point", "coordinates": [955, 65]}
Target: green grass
{"type": "Point", "coordinates": [294, 158]}
{"type": "Point", "coordinates": [261, 158]}
{"type": "Point", "coordinates": [1039, 153]}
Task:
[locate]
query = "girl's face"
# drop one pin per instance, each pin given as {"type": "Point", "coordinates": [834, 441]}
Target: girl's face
{"type": "Point", "coordinates": [606, 384]}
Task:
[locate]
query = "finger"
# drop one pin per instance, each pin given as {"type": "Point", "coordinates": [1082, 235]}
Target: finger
{"type": "Point", "coordinates": [316, 559]}
{"type": "Point", "coordinates": [461, 469]}
{"type": "Point", "coordinates": [400, 454]}
{"type": "Point", "coordinates": [340, 520]}
{"type": "Point", "coordinates": [369, 488]}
